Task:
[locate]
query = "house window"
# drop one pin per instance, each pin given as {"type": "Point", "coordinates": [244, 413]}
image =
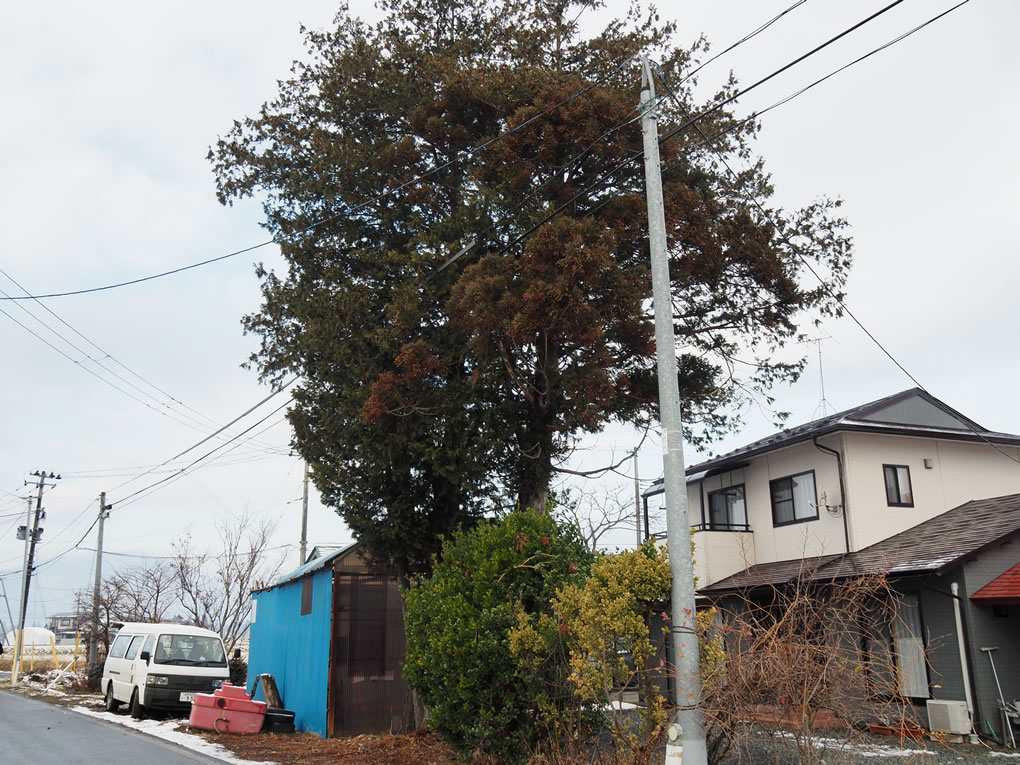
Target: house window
{"type": "Point", "coordinates": [794, 499]}
{"type": "Point", "coordinates": [726, 509]}
{"type": "Point", "coordinates": [897, 486]}
{"type": "Point", "coordinates": [908, 642]}
{"type": "Point", "coordinates": [306, 596]}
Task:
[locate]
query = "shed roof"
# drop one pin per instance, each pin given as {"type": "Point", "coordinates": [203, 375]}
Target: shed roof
{"type": "Point", "coordinates": [1004, 588]}
{"type": "Point", "coordinates": [312, 566]}
{"type": "Point", "coordinates": [932, 546]}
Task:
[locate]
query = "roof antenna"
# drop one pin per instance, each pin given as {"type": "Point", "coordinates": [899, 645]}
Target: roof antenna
{"type": "Point", "coordinates": [824, 404]}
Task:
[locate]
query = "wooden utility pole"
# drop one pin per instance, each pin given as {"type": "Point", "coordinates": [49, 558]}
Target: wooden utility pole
{"type": "Point", "coordinates": [93, 662]}
{"type": "Point", "coordinates": [686, 738]}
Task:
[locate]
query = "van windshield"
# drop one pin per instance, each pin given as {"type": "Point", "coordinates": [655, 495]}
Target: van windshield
{"type": "Point", "coordinates": [192, 650]}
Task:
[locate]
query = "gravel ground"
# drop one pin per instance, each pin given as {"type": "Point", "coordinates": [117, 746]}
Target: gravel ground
{"type": "Point", "coordinates": [761, 746]}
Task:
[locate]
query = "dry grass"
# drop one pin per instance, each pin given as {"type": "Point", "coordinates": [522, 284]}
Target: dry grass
{"type": "Point", "coordinates": [38, 664]}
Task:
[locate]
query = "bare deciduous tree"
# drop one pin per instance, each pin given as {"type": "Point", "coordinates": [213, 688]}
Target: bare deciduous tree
{"type": "Point", "coordinates": [142, 593]}
{"type": "Point", "coordinates": [806, 656]}
{"type": "Point", "coordinates": [215, 588]}
{"type": "Point", "coordinates": [596, 512]}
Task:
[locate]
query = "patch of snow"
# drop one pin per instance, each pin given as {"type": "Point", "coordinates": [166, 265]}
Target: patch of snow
{"type": "Point", "coordinates": [860, 748]}
{"type": "Point", "coordinates": [865, 749]}
{"type": "Point", "coordinates": [924, 563]}
{"type": "Point", "coordinates": [167, 730]}
{"type": "Point", "coordinates": [617, 704]}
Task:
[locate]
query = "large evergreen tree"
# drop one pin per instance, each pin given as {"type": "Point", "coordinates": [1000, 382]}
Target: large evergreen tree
{"type": "Point", "coordinates": [428, 392]}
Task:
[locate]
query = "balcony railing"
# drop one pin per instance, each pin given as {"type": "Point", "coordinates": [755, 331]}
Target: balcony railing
{"type": "Point", "coordinates": [721, 527]}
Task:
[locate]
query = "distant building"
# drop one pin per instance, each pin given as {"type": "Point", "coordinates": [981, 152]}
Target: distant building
{"type": "Point", "coordinates": [65, 626]}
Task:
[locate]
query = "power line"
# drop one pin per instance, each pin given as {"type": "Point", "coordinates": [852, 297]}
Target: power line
{"type": "Point", "coordinates": [606, 175]}
{"type": "Point", "coordinates": [799, 253]}
{"type": "Point", "coordinates": [185, 469]}
{"type": "Point", "coordinates": [459, 157]}
{"type": "Point", "coordinates": [777, 72]}
{"type": "Point", "coordinates": [248, 411]}
{"type": "Point", "coordinates": [99, 362]}
{"type": "Point", "coordinates": [742, 40]}
{"type": "Point", "coordinates": [144, 556]}
{"type": "Point", "coordinates": [879, 49]}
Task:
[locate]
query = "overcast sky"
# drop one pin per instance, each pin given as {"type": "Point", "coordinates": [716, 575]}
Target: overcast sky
{"type": "Point", "coordinates": [109, 109]}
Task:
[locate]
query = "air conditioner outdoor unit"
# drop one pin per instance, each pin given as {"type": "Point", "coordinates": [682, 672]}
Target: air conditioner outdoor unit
{"type": "Point", "coordinates": [948, 717]}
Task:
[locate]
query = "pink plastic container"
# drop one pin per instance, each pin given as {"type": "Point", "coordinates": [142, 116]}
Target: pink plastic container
{"type": "Point", "coordinates": [227, 710]}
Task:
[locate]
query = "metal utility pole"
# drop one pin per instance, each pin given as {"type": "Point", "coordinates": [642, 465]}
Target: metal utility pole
{"type": "Point", "coordinates": [304, 519]}
{"type": "Point", "coordinates": [637, 501]}
{"type": "Point", "coordinates": [94, 634]}
{"type": "Point", "coordinates": [686, 739]}
{"type": "Point", "coordinates": [31, 539]}
{"type": "Point", "coordinates": [10, 618]}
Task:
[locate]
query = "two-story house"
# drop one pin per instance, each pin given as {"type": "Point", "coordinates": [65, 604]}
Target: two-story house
{"type": "Point", "coordinates": [906, 487]}
{"type": "Point", "coordinates": [841, 483]}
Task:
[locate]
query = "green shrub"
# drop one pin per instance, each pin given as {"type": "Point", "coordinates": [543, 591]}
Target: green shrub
{"type": "Point", "coordinates": [479, 695]}
{"type": "Point", "coordinates": [605, 623]}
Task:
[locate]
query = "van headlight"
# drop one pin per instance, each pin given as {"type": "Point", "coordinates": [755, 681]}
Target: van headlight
{"type": "Point", "coordinates": [157, 680]}
{"type": "Point", "coordinates": [217, 683]}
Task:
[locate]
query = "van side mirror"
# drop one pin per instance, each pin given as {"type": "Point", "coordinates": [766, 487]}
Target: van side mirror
{"type": "Point", "coordinates": [237, 653]}
{"type": "Point", "coordinates": [144, 656]}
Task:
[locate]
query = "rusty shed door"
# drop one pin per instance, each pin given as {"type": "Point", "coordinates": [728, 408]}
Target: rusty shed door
{"type": "Point", "coordinates": [369, 694]}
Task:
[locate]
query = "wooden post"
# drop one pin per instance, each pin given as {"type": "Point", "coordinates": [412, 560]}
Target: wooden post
{"type": "Point", "coordinates": [270, 691]}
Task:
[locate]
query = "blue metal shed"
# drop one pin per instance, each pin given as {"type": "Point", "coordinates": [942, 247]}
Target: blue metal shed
{"type": "Point", "coordinates": [331, 634]}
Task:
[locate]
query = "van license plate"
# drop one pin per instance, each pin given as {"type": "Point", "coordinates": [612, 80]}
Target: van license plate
{"type": "Point", "coordinates": [187, 697]}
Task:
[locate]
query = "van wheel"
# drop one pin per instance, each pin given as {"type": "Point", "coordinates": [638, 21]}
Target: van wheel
{"type": "Point", "coordinates": [137, 710]}
{"type": "Point", "coordinates": [112, 705]}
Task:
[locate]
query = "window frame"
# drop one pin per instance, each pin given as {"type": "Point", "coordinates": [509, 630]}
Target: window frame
{"type": "Point", "coordinates": [729, 525]}
{"type": "Point", "coordinates": [307, 595]}
{"type": "Point", "coordinates": [772, 499]}
{"type": "Point", "coordinates": [134, 647]}
{"type": "Point", "coordinates": [899, 489]}
{"type": "Point", "coordinates": [120, 646]}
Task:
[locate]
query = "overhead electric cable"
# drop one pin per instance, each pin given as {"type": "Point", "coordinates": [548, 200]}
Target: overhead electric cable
{"type": "Point", "coordinates": [741, 41]}
{"type": "Point", "coordinates": [243, 414]}
{"type": "Point", "coordinates": [83, 367]}
{"type": "Point", "coordinates": [99, 362]}
{"type": "Point", "coordinates": [803, 258]}
{"type": "Point", "coordinates": [186, 468]}
{"type": "Point", "coordinates": [462, 155]}
{"type": "Point", "coordinates": [710, 110]}
{"type": "Point", "coordinates": [776, 73]}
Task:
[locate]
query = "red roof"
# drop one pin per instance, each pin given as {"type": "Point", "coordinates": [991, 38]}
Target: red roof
{"type": "Point", "coordinates": [1005, 587]}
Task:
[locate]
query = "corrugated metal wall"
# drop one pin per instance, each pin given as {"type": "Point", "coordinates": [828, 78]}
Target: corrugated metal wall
{"type": "Point", "coordinates": [369, 693]}
{"type": "Point", "coordinates": [294, 647]}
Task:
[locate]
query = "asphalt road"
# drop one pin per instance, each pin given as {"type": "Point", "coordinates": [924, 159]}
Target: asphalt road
{"type": "Point", "coordinates": [33, 731]}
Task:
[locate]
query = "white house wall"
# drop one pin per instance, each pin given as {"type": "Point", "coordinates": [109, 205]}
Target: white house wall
{"type": "Point", "coordinates": [721, 553]}
{"type": "Point", "coordinates": [961, 471]}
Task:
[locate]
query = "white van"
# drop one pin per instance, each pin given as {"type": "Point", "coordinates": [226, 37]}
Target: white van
{"type": "Point", "coordinates": [162, 666]}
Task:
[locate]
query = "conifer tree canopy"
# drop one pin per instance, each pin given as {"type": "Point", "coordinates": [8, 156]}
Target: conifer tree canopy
{"type": "Point", "coordinates": [427, 395]}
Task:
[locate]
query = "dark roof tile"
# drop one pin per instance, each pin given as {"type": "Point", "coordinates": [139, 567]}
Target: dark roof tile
{"type": "Point", "coordinates": [931, 546]}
